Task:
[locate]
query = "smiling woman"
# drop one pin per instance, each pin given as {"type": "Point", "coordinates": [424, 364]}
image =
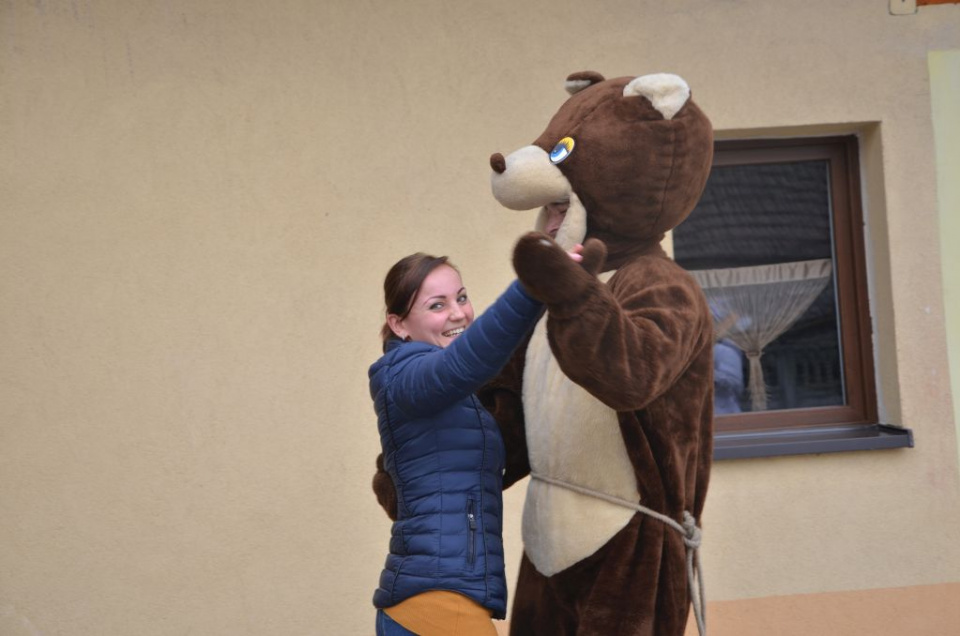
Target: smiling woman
{"type": "Point", "coordinates": [441, 310]}
{"type": "Point", "coordinates": [441, 469]}
{"type": "Point", "coordinates": [443, 456]}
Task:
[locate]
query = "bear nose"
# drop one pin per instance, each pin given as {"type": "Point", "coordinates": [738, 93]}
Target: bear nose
{"type": "Point", "coordinates": [498, 163]}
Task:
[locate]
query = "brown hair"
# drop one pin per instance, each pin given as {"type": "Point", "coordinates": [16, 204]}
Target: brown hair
{"type": "Point", "coordinates": [402, 283]}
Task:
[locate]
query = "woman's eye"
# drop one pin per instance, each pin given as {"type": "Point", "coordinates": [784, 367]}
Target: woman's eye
{"type": "Point", "coordinates": [462, 299]}
{"type": "Point", "coordinates": [436, 306]}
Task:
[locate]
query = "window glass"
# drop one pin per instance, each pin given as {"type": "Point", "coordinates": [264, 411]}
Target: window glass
{"type": "Point", "coordinates": [760, 242]}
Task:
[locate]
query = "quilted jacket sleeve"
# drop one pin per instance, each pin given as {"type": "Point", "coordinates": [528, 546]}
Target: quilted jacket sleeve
{"type": "Point", "coordinates": [436, 378]}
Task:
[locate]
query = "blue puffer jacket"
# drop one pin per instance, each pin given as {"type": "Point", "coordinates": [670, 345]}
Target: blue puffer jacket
{"type": "Point", "coordinates": [446, 457]}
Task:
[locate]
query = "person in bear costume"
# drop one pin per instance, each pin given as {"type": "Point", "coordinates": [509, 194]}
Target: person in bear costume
{"type": "Point", "coordinates": [609, 407]}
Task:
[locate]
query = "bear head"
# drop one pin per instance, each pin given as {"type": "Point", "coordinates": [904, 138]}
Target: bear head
{"type": "Point", "coordinates": [630, 156]}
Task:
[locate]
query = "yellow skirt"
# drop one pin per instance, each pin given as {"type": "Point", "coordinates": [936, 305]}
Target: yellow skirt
{"type": "Point", "coordinates": [443, 613]}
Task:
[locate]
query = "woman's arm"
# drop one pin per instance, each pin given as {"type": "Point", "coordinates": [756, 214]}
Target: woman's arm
{"type": "Point", "coordinates": [432, 380]}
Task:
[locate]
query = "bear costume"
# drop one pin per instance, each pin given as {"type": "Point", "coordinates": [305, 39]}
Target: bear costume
{"type": "Point", "coordinates": [609, 406]}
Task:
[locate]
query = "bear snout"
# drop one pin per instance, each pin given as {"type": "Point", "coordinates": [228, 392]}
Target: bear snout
{"type": "Point", "coordinates": [498, 163]}
{"type": "Point", "coordinates": [526, 179]}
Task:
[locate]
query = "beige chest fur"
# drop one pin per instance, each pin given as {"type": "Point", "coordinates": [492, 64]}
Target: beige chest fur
{"type": "Point", "coordinates": [573, 437]}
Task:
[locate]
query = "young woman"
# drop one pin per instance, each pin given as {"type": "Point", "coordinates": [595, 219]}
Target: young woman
{"type": "Point", "coordinates": [444, 574]}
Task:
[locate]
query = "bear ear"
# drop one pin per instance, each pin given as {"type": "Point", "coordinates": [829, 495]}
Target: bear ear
{"type": "Point", "coordinates": [576, 82]}
{"type": "Point", "coordinates": [668, 93]}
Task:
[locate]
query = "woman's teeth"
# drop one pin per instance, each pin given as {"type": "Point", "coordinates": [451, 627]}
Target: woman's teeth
{"type": "Point", "coordinates": [453, 332]}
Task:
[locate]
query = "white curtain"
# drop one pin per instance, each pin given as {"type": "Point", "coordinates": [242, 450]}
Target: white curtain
{"type": "Point", "coordinates": [754, 305]}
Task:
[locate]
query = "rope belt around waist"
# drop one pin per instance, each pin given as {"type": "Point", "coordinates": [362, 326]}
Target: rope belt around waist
{"type": "Point", "coordinates": [689, 530]}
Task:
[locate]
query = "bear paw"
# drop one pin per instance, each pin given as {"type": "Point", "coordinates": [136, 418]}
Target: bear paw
{"type": "Point", "coordinates": [549, 274]}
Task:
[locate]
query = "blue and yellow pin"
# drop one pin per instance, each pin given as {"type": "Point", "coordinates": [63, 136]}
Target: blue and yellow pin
{"type": "Point", "coordinates": [562, 150]}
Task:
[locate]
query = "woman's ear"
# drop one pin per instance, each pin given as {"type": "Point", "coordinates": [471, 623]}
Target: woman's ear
{"type": "Point", "coordinates": [395, 323]}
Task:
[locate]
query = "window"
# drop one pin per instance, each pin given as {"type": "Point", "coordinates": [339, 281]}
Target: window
{"type": "Point", "coordinates": [776, 242]}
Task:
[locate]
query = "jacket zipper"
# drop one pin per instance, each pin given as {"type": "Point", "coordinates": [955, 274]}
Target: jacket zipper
{"type": "Point", "coordinates": [472, 522]}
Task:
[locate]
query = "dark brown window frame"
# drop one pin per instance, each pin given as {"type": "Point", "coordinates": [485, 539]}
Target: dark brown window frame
{"type": "Point", "coordinates": [854, 425]}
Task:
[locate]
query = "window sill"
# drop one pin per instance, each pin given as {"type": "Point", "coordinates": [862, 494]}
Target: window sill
{"type": "Point", "coordinates": [835, 439]}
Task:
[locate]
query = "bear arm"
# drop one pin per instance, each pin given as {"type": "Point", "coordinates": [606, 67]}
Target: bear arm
{"type": "Point", "coordinates": [627, 344]}
{"type": "Point", "coordinates": [385, 490]}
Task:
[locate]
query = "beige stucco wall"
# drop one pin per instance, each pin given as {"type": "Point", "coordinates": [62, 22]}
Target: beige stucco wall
{"type": "Point", "coordinates": [198, 201]}
{"type": "Point", "coordinates": [945, 93]}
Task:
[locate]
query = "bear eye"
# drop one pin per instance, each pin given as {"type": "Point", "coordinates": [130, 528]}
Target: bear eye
{"type": "Point", "coordinates": [562, 150]}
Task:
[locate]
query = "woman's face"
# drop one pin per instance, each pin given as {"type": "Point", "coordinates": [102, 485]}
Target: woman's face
{"type": "Point", "coordinates": [440, 312]}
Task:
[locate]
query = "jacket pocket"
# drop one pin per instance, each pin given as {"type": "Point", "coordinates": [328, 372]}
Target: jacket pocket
{"type": "Point", "coordinates": [472, 535]}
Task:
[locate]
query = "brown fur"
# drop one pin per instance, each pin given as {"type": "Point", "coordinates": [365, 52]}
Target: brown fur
{"type": "Point", "coordinates": [641, 344]}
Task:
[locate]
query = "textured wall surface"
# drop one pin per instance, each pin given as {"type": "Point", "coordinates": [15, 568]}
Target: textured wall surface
{"type": "Point", "coordinates": [198, 201]}
{"type": "Point", "coordinates": [945, 91]}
